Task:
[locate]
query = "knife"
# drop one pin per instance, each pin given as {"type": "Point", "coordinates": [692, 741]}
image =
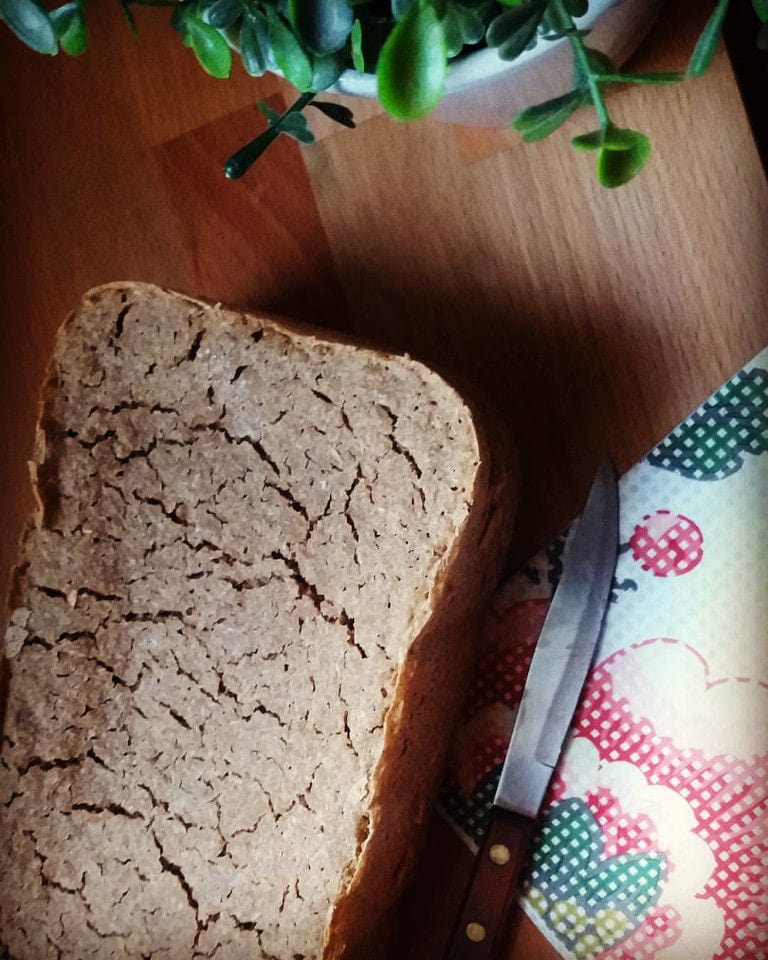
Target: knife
{"type": "Point", "coordinates": [556, 676]}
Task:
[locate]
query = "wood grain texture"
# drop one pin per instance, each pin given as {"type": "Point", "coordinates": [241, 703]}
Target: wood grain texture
{"type": "Point", "coordinates": [595, 320]}
{"type": "Point", "coordinates": [255, 241]}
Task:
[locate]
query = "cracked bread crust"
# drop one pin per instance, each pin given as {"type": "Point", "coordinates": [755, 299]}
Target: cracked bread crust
{"type": "Point", "coordinates": [241, 625]}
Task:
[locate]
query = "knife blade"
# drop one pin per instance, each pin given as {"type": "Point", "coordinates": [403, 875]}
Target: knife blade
{"type": "Point", "coordinates": [558, 670]}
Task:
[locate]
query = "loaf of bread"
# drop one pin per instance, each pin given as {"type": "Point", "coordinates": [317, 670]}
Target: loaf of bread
{"type": "Point", "coordinates": [240, 629]}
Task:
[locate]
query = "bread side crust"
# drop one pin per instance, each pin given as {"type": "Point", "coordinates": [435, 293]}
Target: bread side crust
{"type": "Point", "coordinates": [428, 698]}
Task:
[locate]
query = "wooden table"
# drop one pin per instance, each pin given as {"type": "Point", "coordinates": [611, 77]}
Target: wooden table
{"type": "Point", "coordinates": [595, 319]}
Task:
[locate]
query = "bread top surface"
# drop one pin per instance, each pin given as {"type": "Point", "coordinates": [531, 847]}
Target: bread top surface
{"type": "Point", "coordinates": [242, 529]}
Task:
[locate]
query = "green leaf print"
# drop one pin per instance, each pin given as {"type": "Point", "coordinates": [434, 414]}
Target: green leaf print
{"type": "Point", "coordinates": [590, 902]}
{"type": "Point", "coordinates": [711, 443]}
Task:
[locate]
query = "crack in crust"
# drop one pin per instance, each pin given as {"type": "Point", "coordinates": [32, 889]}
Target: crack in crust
{"type": "Point", "coordinates": [240, 538]}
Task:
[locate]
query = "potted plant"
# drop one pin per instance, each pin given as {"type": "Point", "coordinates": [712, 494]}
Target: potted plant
{"type": "Point", "coordinates": [416, 56]}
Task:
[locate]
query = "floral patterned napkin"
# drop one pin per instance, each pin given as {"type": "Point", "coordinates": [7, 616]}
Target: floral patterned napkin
{"type": "Point", "coordinates": [654, 841]}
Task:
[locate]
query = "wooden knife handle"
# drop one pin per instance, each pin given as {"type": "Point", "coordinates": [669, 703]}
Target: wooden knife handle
{"type": "Point", "coordinates": [484, 922]}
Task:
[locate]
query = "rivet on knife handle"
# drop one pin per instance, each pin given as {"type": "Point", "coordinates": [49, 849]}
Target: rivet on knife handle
{"type": "Point", "coordinates": [482, 929]}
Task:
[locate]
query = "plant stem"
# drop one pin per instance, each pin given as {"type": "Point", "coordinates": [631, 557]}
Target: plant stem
{"type": "Point", "coordinates": [655, 80]}
{"type": "Point", "coordinates": [580, 53]}
{"type": "Point", "coordinates": [240, 162]}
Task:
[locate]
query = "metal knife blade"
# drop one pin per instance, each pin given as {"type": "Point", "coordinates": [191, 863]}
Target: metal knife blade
{"type": "Point", "coordinates": [556, 676]}
{"type": "Point", "coordinates": [563, 653]}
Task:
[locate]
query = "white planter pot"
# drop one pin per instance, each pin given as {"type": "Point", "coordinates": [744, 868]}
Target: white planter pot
{"type": "Point", "coordinates": [483, 90]}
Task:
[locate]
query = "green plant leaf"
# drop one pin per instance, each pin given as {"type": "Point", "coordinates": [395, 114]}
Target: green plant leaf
{"type": "Point", "coordinates": [356, 39]}
{"type": "Point", "coordinates": [179, 16]}
{"type": "Point", "coordinates": [514, 29]}
{"type": "Point", "coordinates": [326, 70]}
{"type": "Point", "coordinates": [454, 41]}
{"type": "Point", "coordinates": [462, 25]}
{"type": "Point", "coordinates": [598, 62]}
{"type": "Point", "coordinates": [254, 43]}
{"type": "Point", "coordinates": [551, 21]}
{"type": "Point", "coordinates": [295, 125]}
{"type": "Point", "coordinates": [576, 8]}
{"type": "Point", "coordinates": [211, 49]}
{"type": "Point", "coordinates": [761, 9]}
{"type": "Point", "coordinates": [220, 13]}
{"type": "Point", "coordinates": [290, 55]}
{"type": "Point", "coordinates": [336, 111]}
{"type": "Point", "coordinates": [31, 24]}
{"type": "Point", "coordinates": [69, 24]}
{"type": "Point", "coordinates": [272, 115]}
{"type": "Point", "coordinates": [323, 26]}
{"type": "Point", "coordinates": [622, 156]}
{"type": "Point", "coordinates": [413, 64]}
{"type": "Point", "coordinates": [539, 121]}
{"type": "Point", "coordinates": [472, 25]}
{"type": "Point", "coordinates": [620, 138]}
{"type": "Point", "coordinates": [589, 141]}
{"type": "Point", "coordinates": [707, 43]}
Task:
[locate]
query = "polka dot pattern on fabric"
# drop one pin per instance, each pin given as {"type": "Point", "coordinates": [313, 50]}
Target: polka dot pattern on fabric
{"type": "Point", "coordinates": [667, 544]}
